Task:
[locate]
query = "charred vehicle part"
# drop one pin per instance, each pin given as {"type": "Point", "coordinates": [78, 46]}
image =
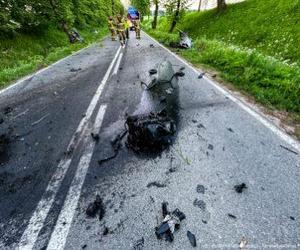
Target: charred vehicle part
{"type": "Point", "coordinates": [153, 126]}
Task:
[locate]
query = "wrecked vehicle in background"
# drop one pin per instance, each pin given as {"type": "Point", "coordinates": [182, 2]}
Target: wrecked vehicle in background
{"type": "Point", "coordinates": [153, 126]}
{"type": "Point", "coordinates": [185, 41]}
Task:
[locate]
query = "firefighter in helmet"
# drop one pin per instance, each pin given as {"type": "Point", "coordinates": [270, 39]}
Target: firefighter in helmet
{"type": "Point", "coordinates": [121, 29]}
{"type": "Point", "coordinates": [137, 28]}
{"type": "Point", "coordinates": [112, 28]}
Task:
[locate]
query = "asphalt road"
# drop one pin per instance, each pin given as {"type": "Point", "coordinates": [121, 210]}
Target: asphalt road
{"type": "Point", "coordinates": [50, 172]}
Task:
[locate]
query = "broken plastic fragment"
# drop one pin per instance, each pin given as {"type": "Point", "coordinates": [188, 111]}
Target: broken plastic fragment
{"type": "Point", "coordinates": [96, 207]}
{"type": "Point", "coordinates": [243, 243]}
{"type": "Point", "coordinates": [240, 188]}
{"type": "Point", "coordinates": [192, 238]}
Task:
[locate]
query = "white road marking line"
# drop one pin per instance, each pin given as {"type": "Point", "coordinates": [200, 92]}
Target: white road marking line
{"type": "Point", "coordinates": [38, 218]}
{"type": "Point", "coordinates": [288, 139]}
{"type": "Point", "coordinates": [117, 66]}
{"type": "Point", "coordinates": [63, 224]}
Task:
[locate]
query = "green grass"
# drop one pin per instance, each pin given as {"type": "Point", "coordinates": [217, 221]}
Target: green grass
{"type": "Point", "coordinates": [27, 53]}
{"type": "Point", "coordinates": [253, 45]}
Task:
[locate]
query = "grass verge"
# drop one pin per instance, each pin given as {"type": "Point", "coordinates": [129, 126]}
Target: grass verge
{"type": "Point", "coordinates": [27, 53]}
{"type": "Point", "coordinates": [273, 83]}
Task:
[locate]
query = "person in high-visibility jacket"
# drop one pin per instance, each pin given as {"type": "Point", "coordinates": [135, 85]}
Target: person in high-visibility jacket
{"type": "Point", "coordinates": [137, 28]}
{"type": "Point", "coordinates": [121, 29]}
{"type": "Point", "coordinates": [112, 28]}
{"type": "Point", "coordinates": [127, 26]}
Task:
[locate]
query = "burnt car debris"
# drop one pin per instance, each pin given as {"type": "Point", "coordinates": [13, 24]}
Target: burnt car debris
{"type": "Point", "coordinates": [185, 42]}
{"type": "Point", "coordinates": [153, 126]}
{"type": "Point", "coordinates": [170, 223]}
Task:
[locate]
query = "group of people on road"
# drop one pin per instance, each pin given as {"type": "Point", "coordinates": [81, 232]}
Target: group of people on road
{"type": "Point", "coordinates": [120, 26]}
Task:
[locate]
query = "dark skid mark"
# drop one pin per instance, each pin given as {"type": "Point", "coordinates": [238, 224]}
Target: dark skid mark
{"type": "Point", "coordinates": [4, 147]}
{"type": "Point", "coordinates": [156, 184]}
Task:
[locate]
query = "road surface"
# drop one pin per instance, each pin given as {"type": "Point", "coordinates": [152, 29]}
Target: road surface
{"type": "Point", "coordinates": [50, 172]}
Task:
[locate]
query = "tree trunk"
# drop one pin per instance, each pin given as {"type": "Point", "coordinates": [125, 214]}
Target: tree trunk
{"type": "Point", "coordinates": [221, 5]}
{"type": "Point", "coordinates": [200, 4]}
{"type": "Point", "coordinates": [154, 23]}
{"type": "Point", "coordinates": [176, 15]}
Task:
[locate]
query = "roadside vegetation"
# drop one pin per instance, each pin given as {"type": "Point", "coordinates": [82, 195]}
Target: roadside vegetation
{"type": "Point", "coordinates": [253, 45]}
{"type": "Point", "coordinates": [34, 34]}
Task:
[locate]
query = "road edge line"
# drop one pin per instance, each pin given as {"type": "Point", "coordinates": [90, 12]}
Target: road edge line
{"type": "Point", "coordinates": [260, 117]}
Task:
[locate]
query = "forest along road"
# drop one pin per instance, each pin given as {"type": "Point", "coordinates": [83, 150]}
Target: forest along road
{"type": "Point", "coordinates": [49, 170]}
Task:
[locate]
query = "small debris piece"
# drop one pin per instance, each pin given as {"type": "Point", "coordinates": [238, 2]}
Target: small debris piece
{"type": "Point", "coordinates": [105, 231]}
{"type": "Point", "coordinates": [96, 137]}
{"type": "Point", "coordinates": [172, 170]}
{"type": "Point", "coordinates": [292, 218]}
{"type": "Point", "coordinates": [96, 207]}
{"type": "Point", "coordinates": [156, 184]}
{"type": "Point", "coordinates": [199, 203]}
{"type": "Point", "coordinates": [75, 70]}
{"type": "Point", "coordinates": [210, 147]}
{"type": "Point", "coordinates": [169, 224]}
{"type": "Point", "coordinates": [192, 238]}
{"type": "Point", "coordinates": [204, 221]}
{"type": "Point", "coordinates": [7, 110]}
{"type": "Point", "coordinates": [288, 149]}
{"type": "Point", "coordinates": [230, 130]}
{"type": "Point", "coordinates": [153, 71]}
{"type": "Point", "coordinates": [214, 75]}
{"type": "Point", "coordinates": [165, 211]}
{"type": "Point", "coordinates": [232, 216]}
{"type": "Point", "coordinates": [200, 189]}
{"type": "Point", "coordinates": [243, 243]}
{"type": "Point", "coordinates": [1, 120]}
{"type": "Point", "coordinates": [201, 75]}
{"type": "Point", "coordinates": [139, 244]}
{"type": "Point", "coordinates": [200, 126]}
{"type": "Point", "coordinates": [152, 46]}
{"type": "Point", "coordinates": [84, 246]}
{"type": "Point", "coordinates": [240, 188]}
{"type": "Point", "coordinates": [194, 121]}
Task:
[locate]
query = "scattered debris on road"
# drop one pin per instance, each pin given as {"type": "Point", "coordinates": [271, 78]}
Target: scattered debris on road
{"type": "Point", "coordinates": [192, 238]}
{"type": "Point", "coordinates": [156, 184]}
{"type": "Point", "coordinates": [201, 75]}
{"type": "Point", "coordinates": [170, 223]}
{"type": "Point", "coordinates": [139, 244]}
{"type": "Point", "coordinates": [231, 216]}
{"type": "Point", "coordinates": [200, 189]}
{"type": "Point", "coordinates": [200, 204]}
{"type": "Point", "coordinates": [152, 46]}
{"type": "Point", "coordinates": [116, 144]}
{"type": "Point", "coordinates": [240, 187]}
{"type": "Point", "coordinates": [288, 149]}
{"type": "Point", "coordinates": [75, 70]}
{"type": "Point", "coordinates": [243, 243]}
{"type": "Point", "coordinates": [96, 207]}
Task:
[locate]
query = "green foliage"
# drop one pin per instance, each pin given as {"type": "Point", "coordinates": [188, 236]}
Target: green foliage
{"type": "Point", "coordinates": [143, 6]}
{"type": "Point", "coordinates": [27, 53]}
{"type": "Point", "coordinates": [271, 27]}
{"type": "Point", "coordinates": [25, 16]}
{"type": "Point", "coordinates": [254, 46]}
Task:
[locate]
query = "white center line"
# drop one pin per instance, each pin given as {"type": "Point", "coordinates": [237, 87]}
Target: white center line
{"type": "Point", "coordinates": [63, 224]}
{"type": "Point", "coordinates": [38, 218]}
{"type": "Point", "coordinates": [118, 64]}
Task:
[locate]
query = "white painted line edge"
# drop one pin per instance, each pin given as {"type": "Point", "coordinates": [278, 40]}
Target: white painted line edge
{"type": "Point", "coordinates": [260, 117]}
{"type": "Point", "coordinates": [64, 222]}
{"type": "Point", "coordinates": [117, 66]}
{"type": "Point", "coordinates": [38, 218]}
